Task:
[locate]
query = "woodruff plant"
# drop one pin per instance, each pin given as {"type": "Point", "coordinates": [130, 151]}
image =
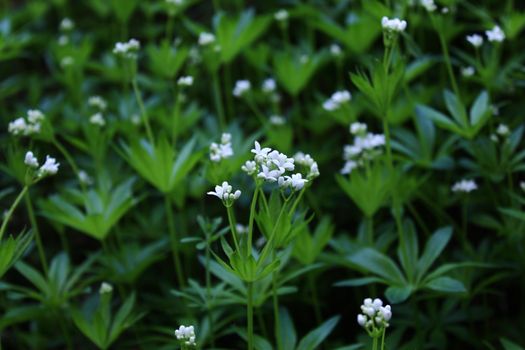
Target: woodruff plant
{"type": "Point", "coordinates": [244, 260]}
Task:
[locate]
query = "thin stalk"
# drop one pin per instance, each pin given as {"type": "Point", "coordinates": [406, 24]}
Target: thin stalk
{"type": "Point", "coordinates": [34, 225]}
{"type": "Point", "coordinates": [11, 210]}
{"type": "Point", "coordinates": [315, 299]}
{"type": "Point", "coordinates": [275, 299]}
{"type": "Point", "coordinates": [449, 65]}
{"type": "Point", "coordinates": [383, 339]}
{"type": "Point", "coordinates": [143, 111]}
{"type": "Point", "coordinates": [250, 221]}
{"type": "Point", "coordinates": [370, 230]}
{"type": "Point", "coordinates": [374, 343]}
{"type": "Point", "coordinates": [231, 220]}
{"type": "Point", "coordinates": [174, 241]}
{"type": "Point", "coordinates": [386, 130]}
{"type": "Point", "coordinates": [228, 86]}
{"type": "Point", "coordinates": [249, 314]}
{"type": "Point", "coordinates": [67, 337]}
{"type": "Point", "coordinates": [169, 28]}
{"type": "Point", "coordinates": [258, 114]}
{"type": "Point", "coordinates": [217, 96]}
{"type": "Point", "coordinates": [69, 159]}
{"type": "Point", "coordinates": [208, 291]}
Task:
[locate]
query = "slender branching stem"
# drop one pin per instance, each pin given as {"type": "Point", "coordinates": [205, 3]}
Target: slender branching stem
{"type": "Point", "coordinates": [11, 210]}
{"type": "Point", "coordinates": [174, 241]}
{"type": "Point", "coordinates": [143, 111]}
{"type": "Point", "coordinates": [36, 231]}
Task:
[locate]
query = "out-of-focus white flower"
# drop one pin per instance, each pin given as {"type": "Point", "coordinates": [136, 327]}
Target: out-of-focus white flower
{"type": "Point", "coordinates": [335, 50]}
{"type": "Point", "coordinates": [105, 288]}
{"type": "Point", "coordinates": [241, 87]}
{"type": "Point", "coordinates": [185, 81]}
{"type": "Point", "coordinates": [281, 15]}
{"type": "Point", "coordinates": [186, 335]}
{"type": "Point", "coordinates": [277, 120]}
{"type": "Point", "coordinates": [393, 25]}
{"type": "Point", "coordinates": [98, 102]}
{"type": "Point", "coordinates": [429, 5]}
{"type": "Point", "coordinates": [206, 39]}
{"type": "Point", "coordinates": [97, 119]}
{"type": "Point", "coordinates": [67, 61]}
{"type": "Point", "coordinates": [465, 186]}
{"type": "Point", "coordinates": [522, 185]}
{"type": "Point", "coordinates": [222, 150]}
{"type": "Point", "coordinates": [337, 99]}
{"type": "Point", "coordinates": [304, 59]}
{"type": "Point", "coordinates": [358, 128]}
{"type": "Point", "coordinates": [30, 160]}
{"type": "Point", "coordinates": [63, 40]}
{"type": "Point", "coordinates": [250, 167]}
{"type": "Point", "coordinates": [127, 49]}
{"type": "Point", "coordinates": [475, 40]}
{"type": "Point", "coordinates": [366, 147]}
{"type": "Point", "coordinates": [269, 85]}
{"type": "Point", "coordinates": [503, 130]}
{"type": "Point", "coordinates": [468, 71]}
{"type": "Point", "coordinates": [84, 178]}
{"type": "Point", "coordinates": [225, 193]}
{"type": "Point", "coordinates": [17, 126]}
{"type": "Point", "coordinates": [241, 229]}
{"type": "Point", "coordinates": [495, 34]}
{"type": "Point", "coordinates": [34, 116]}
{"type": "Point", "coordinates": [348, 167]}
{"type": "Point", "coordinates": [29, 125]}
{"type": "Point", "coordinates": [306, 160]}
{"type": "Point", "coordinates": [50, 167]}
{"type": "Point", "coordinates": [67, 24]}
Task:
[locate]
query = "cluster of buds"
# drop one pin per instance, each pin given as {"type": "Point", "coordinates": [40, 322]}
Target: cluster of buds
{"type": "Point", "coordinates": [50, 166]}
{"type": "Point", "coordinates": [223, 150]}
{"type": "Point", "coordinates": [225, 193]}
{"type": "Point", "coordinates": [391, 29]}
{"type": "Point", "coordinates": [186, 335]}
{"type": "Point", "coordinates": [374, 317]}
{"type": "Point", "coordinates": [29, 125]}
{"type": "Point", "coordinates": [128, 49]}
{"type": "Point", "coordinates": [365, 148]}
{"type": "Point", "coordinates": [306, 161]}
{"type": "Point", "coordinates": [464, 186]}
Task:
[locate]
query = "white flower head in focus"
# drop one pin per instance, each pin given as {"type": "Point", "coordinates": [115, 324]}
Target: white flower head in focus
{"type": "Point", "coordinates": [50, 167]}
{"type": "Point", "coordinates": [374, 317]}
{"type": "Point", "coordinates": [225, 193]}
{"type": "Point", "coordinates": [186, 335]}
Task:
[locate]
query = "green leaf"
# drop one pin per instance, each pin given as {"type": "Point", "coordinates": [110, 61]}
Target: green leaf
{"type": "Point", "coordinates": [433, 248]}
{"type": "Point", "coordinates": [456, 108]}
{"type": "Point", "coordinates": [508, 345]}
{"type": "Point", "coordinates": [287, 332]}
{"type": "Point", "coordinates": [373, 261]}
{"type": "Point", "coordinates": [314, 338]}
{"type": "Point", "coordinates": [446, 284]}
{"type": "Point", "coordinates": [479, 109]}
{"type": "Point", "coordinates": [398, 294]}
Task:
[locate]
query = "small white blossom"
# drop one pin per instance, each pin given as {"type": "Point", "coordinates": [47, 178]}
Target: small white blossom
{"type": "Point", "coordinates": [269, 85]}
{"type": "Point", "coordinates": [277, 120]}
{"type": "Point", "coordinates": [348, 167]}
{"type": "Point", "coordinates": [84, 178]}
{"type": "Point", "coordinates": [97, 119]}
{"type": "Point", "coordinates": [241, 229]}
{"type": "Point", "coordinates": [67, 24]}
{"type": "Point", "coordinates": [335, 50]}
{"type": "Point", "coordinates": [374, 317]}
{"type": "Point", "coordinates": [250, 167]}
{"type": "Point", "coordinates": [105, 287]}
{"type": "Point", "coordinates": [358, 128]}
{"type": "Point", "coordinates": [185, 81]}
{"type": "Point", "coordinates": [30, 160]}
{"type": "Point", "coordinates": [241, 87]}
{"type": "Point", "coordinates": [127, 49]}
{"type": "Point", "coordinates": [97, 102]}
{"type": "Point", "coordinates": [503, 130]}
{"type": "Point", "coordinates": [67, 62]}
{"type": "Point", "coordinates": [468, 71]}
{"type": "Point", "coordinates": [34, 116]}
{"type": "Point", "coordinates": [429, 5]}
{"type": "Point", "coordinates": [50, 167]}
{"type": "Point", "coordinates": [393, 25]}
{"type": "Point", "coordinates": [63, 40]}
{"type": "Point", "coordinates": [224, 193]}
{"type": "Point", "coordinates": [186, 335]}
{"type": "Point", "coordinates": [281, 15]}
{"type": "Point", "coordinates": [464, 186]}
{"type": "Point", "coordinates": [29, 125]}
{"type": "Point", "coordinates": [294, 182]}
{"type": "Point", "coordinates": [337, 99]}
{"type": "Point", "coordinates": [222, 150]}
{"type": "Point", "coordinates": [495, 34]}
{"type": "Point", "coordinates": [309, 163]}
{"type": "Point", "coordinates": [206, 39]}
{"type": "Point", "coordinates": [17, 127]}
{"type": "Point", "coordinates": [475, 40]}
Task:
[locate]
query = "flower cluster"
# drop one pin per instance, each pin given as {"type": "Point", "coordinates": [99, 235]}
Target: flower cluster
{"type": "Point", "coordinates": [366, 147]}
{"type": "Point", "coordinates": [186, 335]}
{"type": "Point", "coordinates": [97, 119]}
{"type": "Point", "coordinates": [429, 5]}
{"type": "Point", "coordinates": [222, 150]}
{"type": "Point", "coordinates": [225, 193]}
{"type": "Point", "coordinates": [97, 102]}
{"type": "Point", "coordinates": [306, 161]}
{"type": "Point", "coordinates": [241, 87]}
{"type": "Point", "coordinates": [475, 40]}
{"type": "Point", "coordinates": [281, 15]}
{"type": "Point", "coordinates": [393, 25]}
{"type": "Point", "coordinates": [501, 131]}
{"type": "Point", "coordinates": [128, 49]}
{"type": "Point", "coordinates": [185, 81]}
{"type": "Point", "coordinates": [269, 85]}
{"type": "Point", "coordinates": [50, 166]}
{"type": "Point", "coordinates": [374, 317]}
{"type": "Point", "coordinates": [493, 35]}
{"type": "Point", "coordinates": [105, 288]}
{"type": "Point", "coordinates": [465, 186]}
{"type": "Point", "coordinates": [337, 99]}
{"type": "Point", "coordinates": [206, 39]}
{"type": "Point", "coordinates": [29, 125]}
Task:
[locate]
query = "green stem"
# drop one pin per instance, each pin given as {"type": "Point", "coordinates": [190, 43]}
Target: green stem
{"type": "Point", "coordinates": [315, 299]}
{"type": "Point", "coordinates": [69, 160]}
{"type": "Point", "coordinates": [448, 64]}
{"type": "Point", "coordinates": [250, 221]}
{"type": "Point", "coordinates": [34, 225]}
{"type": "Point", "coordinates": [370, 230]}
{"type": "Point", "coordinates": [383, 339]}
{"type": "Point", "coordinates": [374, 343]}
{"type": "Point", "coordinates": [143, 111]}
{"type": "Point", "coordinates": [208, 291]}
{"type": "Point", "coordinates": [174, 241]}
{"type": "Point", "coordinates": [249, 314]}
{"type": "Point", "coordinates": [217, 96]}
{"type": "Point", "coordinates": [11, 210]}
{"type": "Point", "coordinates": [275, 299]}
{"type": "Point", "coordinates": [386, 130]}
{"type": "Point", "coordinates": [231, 220]}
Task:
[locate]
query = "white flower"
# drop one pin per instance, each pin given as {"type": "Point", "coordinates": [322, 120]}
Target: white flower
{"type": "Point", "coordinates": [30, 160]}
{"type": "Point", "coordinates": [250, 167]}
{"type": "Point", "coordinates": [374, 315]}
{"type": "Point", "coordinates": [277, 120]}
{"type": "Point", "coordinates": [127, 49]}
{"type": "Point", "coordinates": [97, 119]}
{"type": "Point", "coordinates": [241, 229]}
{"type": "Point", "coordinates": [84, 178]}
{"type": "Point", "coordinates": [495, 34]}
{"type": "Point", "coordinates": [224, 193]}
{"type": "Point", "coordinates": [17, 127]}
{"type": "Point", "coordinates": [393, 25]}
{"type": "Point", "coordinates": [522, 185]}
{"type": "Point", "coordinates": [503, 130]}
{"type": "Point", "coordinates": [307, 161]}
{"type": "Point", "coordinates": [105, 288]}
{"type": "Point", "coordinates": [50, 167]}
{"type": "Point", "coordinates": [335, 50]}
{"type": "Point", "coordinates": [429, 5]}
{"type": "Point", "coordinates": [348, 167]}
{"type": "Point", "coordinates": [222, 150]}
{"type": "Point", "coordinates": [27, 126]}
{"type": "Point", "coordinates": [206, 38]}
{"type": "Point", "coordinates": [297, 182]}
{"type": "Point", "coordinates": [34, 116]}
{"type": "Point", "coordinates": [281, 160]}
{"type": "Point", "coordinates": [67, 61]}
{"type": "Point", "coordinates": [63, 40]}
{"type": "Point", "coordinates": [361, 320]}
{"type": "Point", "coordinates": [261, 154]}
{"type": "Point", "coordinates": [67, 24]}
{"type": "Point", "coordinates": [241, 87]}
{"type": "Point", "coordinates": [330, 105]}
{"type": "Point", "coordinates": [269, 85]}
{"type": "Point", "coordinates": [281, 15]}
{"type": "Point", "coordinates": [269, 174]}
{"type": "Point", "coordinates": [186, 334]}
{"type": "Point", "coordinates": [336, 100]}
{"type": "Point", "coordinates": [97, 102]}
{"type": "Point", "coordinates": [185, 81]}
{"type": "Point", "coordinates": [464, 186]}
{"type": "Point", "coordinates": [468, 71]}
{"type": "Point", "coordinates": [475, 40]}
{"type": "Point", "coordinates": [358, 128]}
